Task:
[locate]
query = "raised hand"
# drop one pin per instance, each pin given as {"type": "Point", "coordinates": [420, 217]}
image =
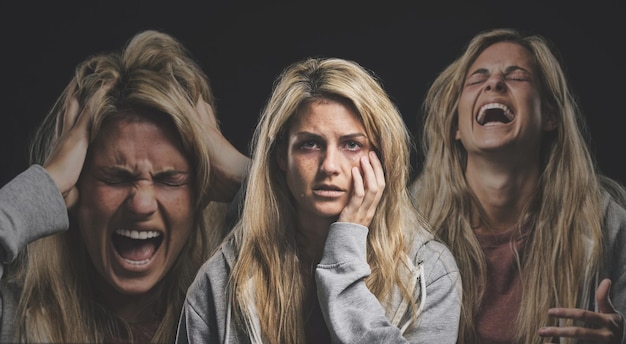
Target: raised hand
{"type": "Point", "coordinates": [229, 166]}
{"type": "Point", "coordinates": [604, 326]}
{"type": "Point", "coordinates": [66, 161]}
{"type": "Point", "coordinates": [367, 191]}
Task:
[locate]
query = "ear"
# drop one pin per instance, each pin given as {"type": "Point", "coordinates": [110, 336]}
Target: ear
{"type": "Point", "coordinates": [457, 136]}
{"type": "Point", "coordinates": [548, 121]}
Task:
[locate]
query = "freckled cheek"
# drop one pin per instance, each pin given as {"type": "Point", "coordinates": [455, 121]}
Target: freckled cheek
{"type": "Point", "coordinates": [303, 165]}
{"type": "Point", "coordinates": [100, 201]}
{"type": "Point", "coordinates": [178, 205]}
{"type": "Point", "coordinates": [465, 105]}
{"type": "Point", "coordinates": [353, 160]}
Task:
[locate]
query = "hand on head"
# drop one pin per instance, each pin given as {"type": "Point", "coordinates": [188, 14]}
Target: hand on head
{"type": "Point", "coordinates": [604, 326]}
{"type": "Point", "coordinates": [227, 163]}
{"type": "Point", "coordinates": [68, 156]}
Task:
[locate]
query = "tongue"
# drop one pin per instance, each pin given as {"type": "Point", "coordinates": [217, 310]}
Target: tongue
{"type": "Point", "coordinates": [136, 250]}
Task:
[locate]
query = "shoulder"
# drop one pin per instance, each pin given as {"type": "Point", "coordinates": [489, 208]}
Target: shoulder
{"type": "Point", "coordinates": [614, 225]}
{"type": "Point", "coordinates": [433, 255]}
{"type": "Point", "coordinates": [215, 271]}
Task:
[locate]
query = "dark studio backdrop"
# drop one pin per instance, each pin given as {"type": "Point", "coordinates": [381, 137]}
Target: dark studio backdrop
{"type": "Point", "coordinates": [244, 46]}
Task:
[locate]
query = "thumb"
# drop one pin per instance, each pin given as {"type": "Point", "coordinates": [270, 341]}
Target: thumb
{"type": "Point", "coordinates": [603, 298]}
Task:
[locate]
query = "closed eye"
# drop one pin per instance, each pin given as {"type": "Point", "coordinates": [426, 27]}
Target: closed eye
{"type": "Point", "coordinates": [475, 79]}
{"type": "Point", "coordinates": [172, 178]}
{"type": "Point", "coordinates": [116, 176]}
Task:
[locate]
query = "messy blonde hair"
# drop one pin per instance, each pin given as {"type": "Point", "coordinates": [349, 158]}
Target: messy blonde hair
{"type": "Point", "coordinates": [268, 256]}
{"type": "Point", "coordinates": [152, 77]}
{"type": "Point", "coordinates": [565, 246]}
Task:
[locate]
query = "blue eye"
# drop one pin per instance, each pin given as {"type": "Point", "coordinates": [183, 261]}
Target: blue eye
{"type": "Point", "coordinates": [308, 145]}
{"type": "Point", "coordinates": [353, 145]}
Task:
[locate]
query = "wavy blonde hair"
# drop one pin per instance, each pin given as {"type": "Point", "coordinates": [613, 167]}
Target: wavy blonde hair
{"type": "Point", "coordinates": [565, 246]}
{"type": "Point", "coordinates": [268, 272]}
{"type": "Point", "coordinates": [152, 78]}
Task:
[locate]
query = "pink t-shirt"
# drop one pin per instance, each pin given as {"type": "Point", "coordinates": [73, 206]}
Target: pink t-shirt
{"type": "Point", "coordinates": [496, 321]}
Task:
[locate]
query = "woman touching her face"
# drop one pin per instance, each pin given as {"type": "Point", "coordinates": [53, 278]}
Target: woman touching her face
{"type": "Point", "coordinates": [328, 247]}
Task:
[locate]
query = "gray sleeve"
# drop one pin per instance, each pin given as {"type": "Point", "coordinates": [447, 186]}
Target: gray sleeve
{"type": "Point", "coordinates": [31, 207]}
{"type": "Point", "coordinates": [441, 296]}
{"type": "Point", "coordinates": [201, 315]}
{"type": "Point", "coordinates": [352, 313]}
{"type": "Point", "coordinates": [615, 257]}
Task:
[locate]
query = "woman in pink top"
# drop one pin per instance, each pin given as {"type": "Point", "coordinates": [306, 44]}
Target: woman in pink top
{"type": "Point", "coordinates": [510, 184]}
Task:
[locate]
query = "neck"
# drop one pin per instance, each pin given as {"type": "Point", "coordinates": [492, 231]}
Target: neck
{"type": "Point", "coordinates": [311, 236]}
{"type": "Point", "coordinates": [131, 308]}
{"type": "Point", "coordinates": [503, 192]}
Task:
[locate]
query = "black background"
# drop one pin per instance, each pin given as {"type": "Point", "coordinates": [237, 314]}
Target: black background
{"type": "Point", "coordinates": [243, 46]}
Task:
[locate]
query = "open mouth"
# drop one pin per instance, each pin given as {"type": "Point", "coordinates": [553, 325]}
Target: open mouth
{"type": "Point", "coordinates": [493, 114]}
{"type": "Point", "coordinates": [136, 247]}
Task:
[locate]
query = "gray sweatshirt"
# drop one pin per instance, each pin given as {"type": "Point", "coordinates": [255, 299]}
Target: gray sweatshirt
{"type": "Point", "coordinates": [353, 314]}
{"type": "Point", "coordinates": [31, 207]}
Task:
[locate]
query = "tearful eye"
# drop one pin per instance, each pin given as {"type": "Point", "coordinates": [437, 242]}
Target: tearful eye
{"type": "Point", "coordinates": [353, 145]}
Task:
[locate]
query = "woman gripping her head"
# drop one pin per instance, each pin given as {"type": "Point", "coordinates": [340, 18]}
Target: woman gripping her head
{"type": "Point", "coordinates": [122, 204]}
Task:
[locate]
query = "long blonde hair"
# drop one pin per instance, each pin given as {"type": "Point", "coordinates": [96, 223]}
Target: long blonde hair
{"type": "Point", "coordinates": [565, 245]}
{"type": "Point", "coordinates": [267, 273]}
{"type": "Point", "coordinates": [152, 76]}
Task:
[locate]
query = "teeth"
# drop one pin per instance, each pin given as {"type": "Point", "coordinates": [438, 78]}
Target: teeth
{"type": "Point", "coordinates": [483, 110]}
{"type": "Point", "coordinates": [134, 234]}
{"type": "Point", "coordinates": [135, 262]}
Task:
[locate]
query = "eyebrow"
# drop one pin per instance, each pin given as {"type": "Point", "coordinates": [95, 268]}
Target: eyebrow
{"type": "Point", "coordinates": [317, 136]}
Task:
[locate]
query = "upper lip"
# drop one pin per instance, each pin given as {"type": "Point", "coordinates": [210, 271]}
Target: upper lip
{"type": "Point", "coordinates": [327, 187]}
{"type": "Point", "coordinates": [507, 113]}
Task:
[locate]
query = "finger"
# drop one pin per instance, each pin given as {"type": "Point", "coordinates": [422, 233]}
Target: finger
{"type": "Point", "coordinates": [66, 121]}
{"type": "Point", "coordinates": [372, 188]}
{"type": "Point", "coordinates": [206, 114]}
{"type": "Point", "coordinates": [600, 335]}
{"type": "Point", "coordinates": [378, 169]}
{"type": "Point", "coordinates": [603, 297]}
{"type": "Point", "coordinates": [358, 188]}
{"type": "Point", "coordinates": [351, 210]}
{"type": "Point", "coordinates": [86, 115]}
{"type": "Point", "coordinates": [586, 316]}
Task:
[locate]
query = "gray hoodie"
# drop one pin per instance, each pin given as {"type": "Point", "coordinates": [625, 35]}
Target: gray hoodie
{"type": "Point", "coordinates": [31, 207]}
{"type": "Point", "coordinates": [353, 314]}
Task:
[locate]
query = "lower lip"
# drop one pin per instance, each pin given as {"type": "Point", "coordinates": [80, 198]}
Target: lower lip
{"type": "Point", "coordinates": [328, 193]}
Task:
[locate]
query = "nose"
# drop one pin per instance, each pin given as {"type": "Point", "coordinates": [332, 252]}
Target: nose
{"type": "Point", "coordinates": [329, 164]}
{"type": "Point", "coordinates": [495, 83]}
{"type": "Point", "coordinates": [141, 200]}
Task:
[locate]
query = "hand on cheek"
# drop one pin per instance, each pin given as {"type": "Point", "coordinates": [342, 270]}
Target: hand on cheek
{"type": "Point", "coordinates": [367, 191]}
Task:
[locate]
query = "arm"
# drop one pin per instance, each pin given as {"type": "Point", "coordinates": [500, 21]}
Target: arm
{"type": "Point", "coordinates": [441, 296]}
{"type": "Point", "coordinates": [228, 164]}
{"type": "Point", "coordinates": [31, 207]}
{"type": "Point", "coordinates": [352, 313]}
{"type": "Point", "coordinates": [604, 321]}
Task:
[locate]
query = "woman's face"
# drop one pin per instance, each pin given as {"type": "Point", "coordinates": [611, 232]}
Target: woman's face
{"type": "Point", "coordinates": [500, 107]}
{"type": "Point", "coordinates": [135, 211]}
{"type": "Point", "coordinates": [325, 141]}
